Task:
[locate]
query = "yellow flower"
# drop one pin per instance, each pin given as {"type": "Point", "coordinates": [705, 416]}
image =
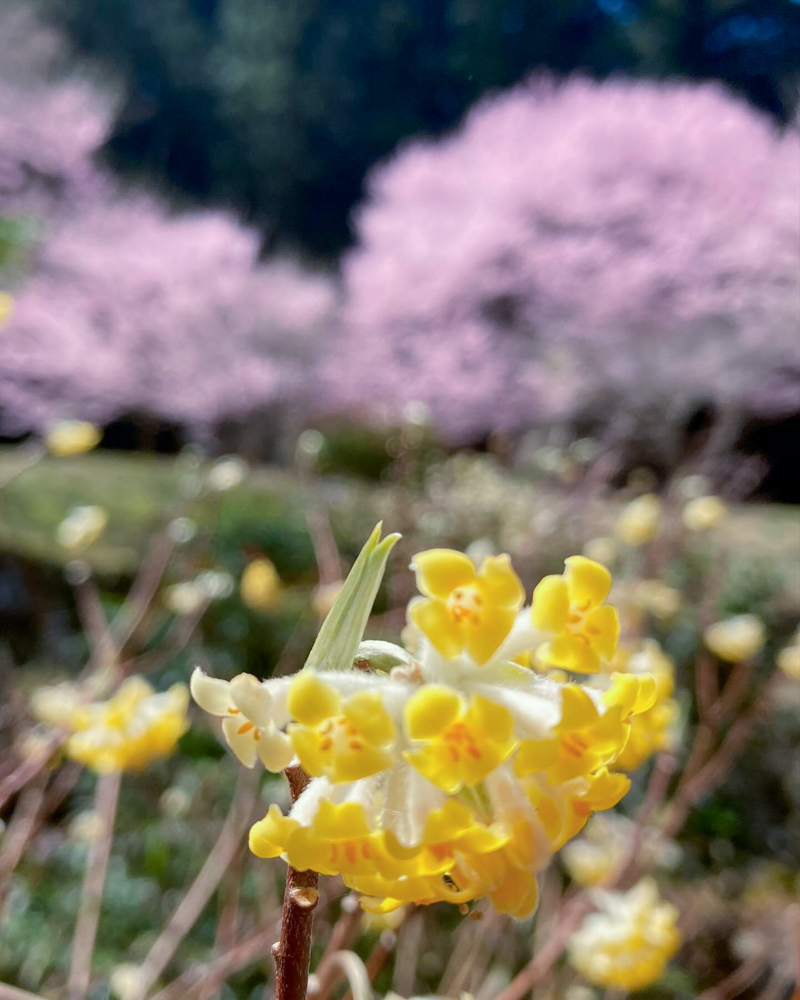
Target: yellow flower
{"type": "Point", "coordinates": [571, 606]}
{"type": "Point", "coordinates": [130, 730]}
{"type": "Point", "coordinates": [461, 744]}
{"type": "Point", "coordinates": [260, 586]}
{"type": "Point", "coordinates": [6, 308]}
{"type": "Point", "coordinates": [81, 527]}
{"type": "Point", "coordinates": [323, 598]}
{"type": "Point", "coordinates": [583, 741]}
{"type": "Point", "coordinates": [465, 608]}
{"type": "Point", "coordinates": [653, 729]}
{"type": "Point", "coordinates": [343, 738]}
{"type": "Point", "coordinates": [640, 521]}
{"type": "Point", "coordinates": [71, 437]}
{"type": "Point", "coordinates": [789, 658]}
{"type": "Point", "coordinates": [736, 638]}
{"type": "Point", "coordinates": [627, 944]}
{"type": "Point", "coordinates": [704, 513]}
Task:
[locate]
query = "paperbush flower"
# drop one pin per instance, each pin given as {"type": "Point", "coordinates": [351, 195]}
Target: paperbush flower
{"type": "Point", "coordinates": [654, 729]}
{"type": "Point", "coordinates": [736, 638]}
{"type": "Point", "coordinates": [6, 307]}
{"type": "Point", "coordinates": [789, 658]}
{"type": "Point", "coordinates": [260, 586]}
{"type": "Point", "coordinates": [125, 733]}
{"type": "Point", "coordinates": [571, 606]}
{"type": "Point", "coordinates": [704, 513]}
{"type": "Point", "coordinates": [450, 775]}
{"type": "Point", "coordinates": [640, 521]}
{"type": "Point", "coordinates": [81, 527]}
{"type": "Point", "coordinates": [71, 437]}
{"type": "Point", "coordinates": [627, 944]}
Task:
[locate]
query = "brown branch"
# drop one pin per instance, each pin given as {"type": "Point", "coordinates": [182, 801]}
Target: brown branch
{"type": "Point", "coordinates": [196, 899]}
{"type": "Point", "coordinates": [292, 953]}
{"type": "Point", "coordinates": [22, 827]}
{"type": "Point", "coordinates": [709, 776]}
{"type": "Point", "coordinates": [212, 975]}
{"type": "Point", "coordinates": [739, 980]}
{"type": "Point", "coordinates": [94, 880]}
{"type": "Point", "coordinates": [29, 768]}
{"type": "Point", "coordinates": [14, 993]}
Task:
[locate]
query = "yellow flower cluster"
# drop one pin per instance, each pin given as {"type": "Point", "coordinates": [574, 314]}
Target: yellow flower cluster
{"type": "Point", "coordinates": [71, 437]}
{"type": "Point", "coordinates": [789, 658]}
{"type": "Point", "coordinates": [639, 522]}
{"type": "Point", "coordinates": [454, 774]}
{"type": "Point", "coordinates": [126, 733]}
{"type": "Point", "coordinates": [627, 944]}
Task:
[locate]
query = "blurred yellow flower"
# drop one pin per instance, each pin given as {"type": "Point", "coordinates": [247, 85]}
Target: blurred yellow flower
{"type": "Point", "coordinates": [627, 944]}
{"type": "Point", "coordinates": [736, 638]}
{"type": "Point", "coordinates": [571, 606]}
{"type": "Point", "coordinates": [605, 843]}
{"type": "Point", "coordinates": [260, 586]}
{"type": "Point", "coordinates": [81, 527]}
{"type": "Point", "coordinates": [661, 601]}
{"type": "Point", "coordinates": [640, 521]}
{"type": "Point", "coordinates": [601, 549]}
{"type": "Point", "coordinates": [465, 608]}
{"type": "Point", "coordinates": [134, 727]}
{"type": "Point", "coordinates": [789, 658]}
{"type": "Point", "coordinates": [6, 308]}
{"type": "Point", "coordinates": [71, 437]}
{"type": "Point", "coordinates": [704, 513]}
{"type": "Point", "coordinates": [126, 981]}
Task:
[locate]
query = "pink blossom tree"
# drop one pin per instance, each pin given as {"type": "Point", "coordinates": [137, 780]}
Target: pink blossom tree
{"type": "Point", "coordinates": [130, 307]}
{"type": "Point", "coordinates": [630, 243]}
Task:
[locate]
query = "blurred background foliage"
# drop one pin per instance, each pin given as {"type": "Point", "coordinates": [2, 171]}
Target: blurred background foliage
{"type": "Point", "coordinates": [281, 108]}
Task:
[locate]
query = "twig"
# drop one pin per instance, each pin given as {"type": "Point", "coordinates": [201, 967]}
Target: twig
{"type": "Point", "coordinates": [94, 881]}
{"type": "Point", "coordinates": [656, 792]}
{"type": "Point", "coordinates": [212, 975]}
{"type": "Point", "coordinates": [144, 588]}
{"type": "Point", "coordinates": [714, 770]}
{"type": "Point", "coordinates": [196, 899]}
{"type": "Point", "coordinates": [326, 553]}
{"type": "Point", "coordinates": [13, 993]}
{"type": "Point", "coordinates": [739, 980]}
{"type": "Point", "coordinates": [29, 768]}
{"type": "Point", "coordinates": [292, 953]}
{"type": "Point", "coordinates": [23, 825]}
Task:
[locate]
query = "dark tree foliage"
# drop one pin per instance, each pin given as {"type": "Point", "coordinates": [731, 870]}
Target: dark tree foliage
{"type": "Point", "coordinates": [280, 106]}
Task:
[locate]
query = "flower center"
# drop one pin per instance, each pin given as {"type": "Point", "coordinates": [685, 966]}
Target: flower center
{"type": "Point", "coordinates": [338, 736]}
{"type": "Point", "coordinates": [574, 744]}
{"type": "Point", "coordinates": [464, 605]}
{"type": "Point", "coordinates": [459, 740]}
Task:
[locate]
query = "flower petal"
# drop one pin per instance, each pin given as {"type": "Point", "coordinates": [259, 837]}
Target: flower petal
{"type": "Point", "coordinates": [275, 749]}
{"type": "Point", "coordinates": [577, 709]}
{"type": "Point", "coordinates": [601, 628]}
{"type": "Point", "coordinates": [485, 638]}
{"type": "Point", "coordinates": [211, 694]}
{"type": "Point", "coordinates": [312, 701]}
{"type": "Point", "coordinates": [251, 698]}
{"type": "Point", "coordinates": [499, 584]}
{"type": "Point", "coordinates": [430, 711]}
{"type": "Point", "coordinates": [550, 604]}
{"type": "Point", "coordinates": [588, 581]}
{"type": "Point", "coordinates": [440, 571]}
{"type": "Point", "coordinates": [242, 743]}
{"type": "Point", "coordinates": [365, 710]}
{"type": "Point", "coordinates": [434, 620]}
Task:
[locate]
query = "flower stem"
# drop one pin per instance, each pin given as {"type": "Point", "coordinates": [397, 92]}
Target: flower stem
{"type": "Point", "coordinates": [292, 953]}
{"type": "Point", "coordinates": [94, 881]}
